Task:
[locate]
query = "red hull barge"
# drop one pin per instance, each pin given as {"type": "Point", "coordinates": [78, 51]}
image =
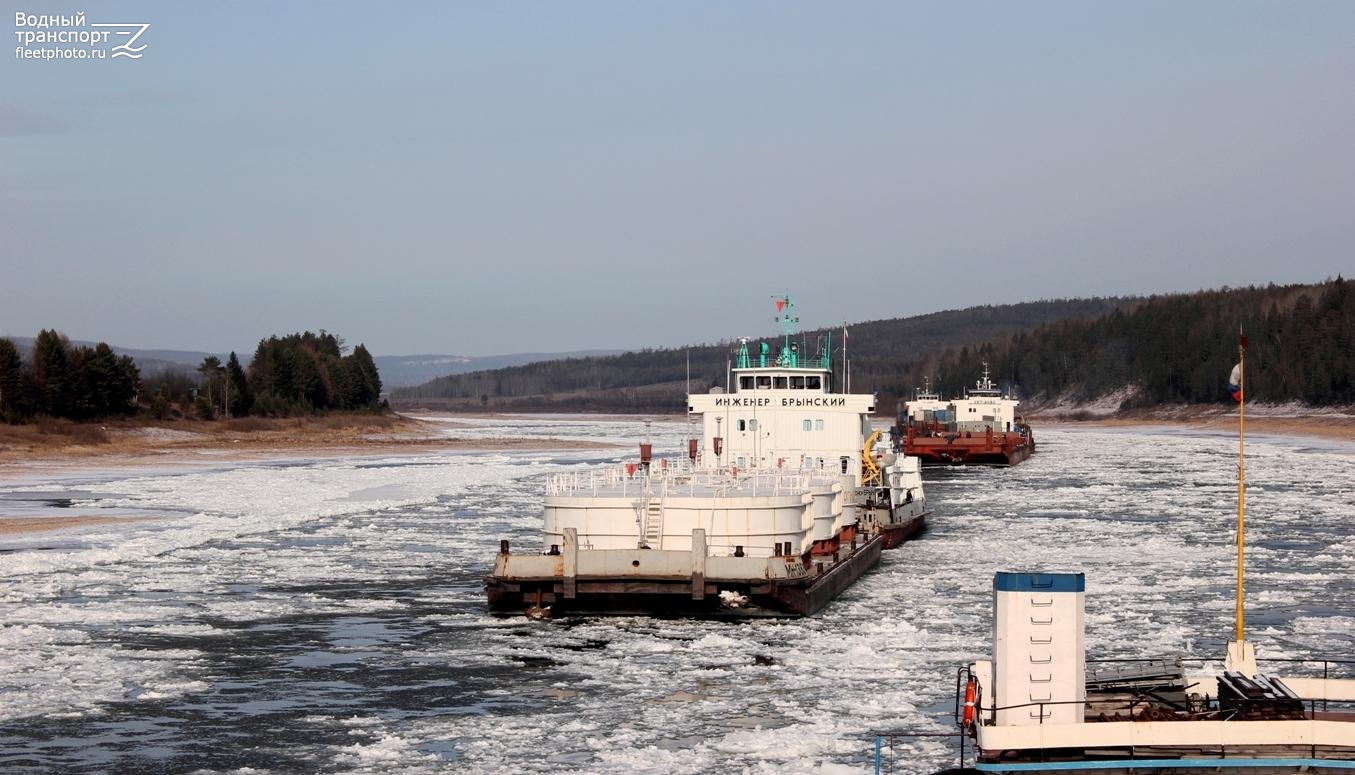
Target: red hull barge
{"type": "Point", "coordinates": [969, 448]}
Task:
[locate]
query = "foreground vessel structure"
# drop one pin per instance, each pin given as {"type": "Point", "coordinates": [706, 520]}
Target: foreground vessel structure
{"type": "Point", "coordinates": [785, 500]}
{"type": "Point", "coordinates": [1039, 706]}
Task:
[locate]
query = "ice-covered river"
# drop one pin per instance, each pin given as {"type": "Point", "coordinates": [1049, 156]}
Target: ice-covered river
{"type": "Point", "coordinates": [327, 615]}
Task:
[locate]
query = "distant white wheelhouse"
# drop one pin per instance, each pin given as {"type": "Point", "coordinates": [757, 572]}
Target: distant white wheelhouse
{"type": "Point", "coordinates": [784, 418]}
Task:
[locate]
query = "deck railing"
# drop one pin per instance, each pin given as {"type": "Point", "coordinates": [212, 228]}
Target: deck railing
{"type": "Point", "coordinates": [676, 478]}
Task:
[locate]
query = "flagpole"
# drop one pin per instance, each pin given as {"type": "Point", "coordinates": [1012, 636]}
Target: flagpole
{"type": "Point", "coordinates": [846, 375]}
{"type": "Point", "coordinates": [1241, 480]}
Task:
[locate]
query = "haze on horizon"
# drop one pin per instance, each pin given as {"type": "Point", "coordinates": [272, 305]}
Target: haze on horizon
{"type": "Point", "coordinates": [493, 178]}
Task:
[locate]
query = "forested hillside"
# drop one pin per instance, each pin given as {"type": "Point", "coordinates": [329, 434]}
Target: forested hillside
{"type": "Point", "coordinates": [880, 353]}
{"type": "Point", "coordinates": [1176, 349]}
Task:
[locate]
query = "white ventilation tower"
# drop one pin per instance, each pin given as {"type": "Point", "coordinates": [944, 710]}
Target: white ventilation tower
{"type": "Point", "coordinates": [1038, 652]}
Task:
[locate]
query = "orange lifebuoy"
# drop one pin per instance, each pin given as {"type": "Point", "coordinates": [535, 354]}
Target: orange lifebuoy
{"type": "Point", "coordinates": [969, 691]}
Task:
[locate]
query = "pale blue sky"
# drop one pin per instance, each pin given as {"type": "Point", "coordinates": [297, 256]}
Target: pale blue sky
{"type": "Point", "coordinates": [500, 177]}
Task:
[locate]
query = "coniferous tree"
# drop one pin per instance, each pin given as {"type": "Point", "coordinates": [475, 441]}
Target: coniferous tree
{"type": "Point", "coordinates": [261, 370]}
{"type": "Point", "coordinates": [52, 375]}
{"type": "Point", "coordinates": [363, 381]}
{"type": "Point", "coordinates": [309, 380]}
{"type": "Point", "coordinates": [160, 406]}
{"type": "Point", "coordinates": [104, 384]}
{"type": "Point", "coordinates": [11, 382]}
{"type": "Point", "coordinates": [211, 384]}
{"type": "Point", "coordinates": [89, 397]}
{"type": "Point", "coordinates": [284, 371]}
{"type": "Point", "coordinates": [127, 385]}
{"type": "Point", "coordinates": [241, 398]}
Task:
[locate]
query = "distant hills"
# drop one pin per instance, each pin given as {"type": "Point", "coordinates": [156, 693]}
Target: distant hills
{"type": "Point", "coordinates": [149, 362]}
{"type": "Point", "coordinates": [408, 370]}
{"type": "Point", "coordinates": [881, 351]}
{"type": "Point", "coordinates": [1130, 352]}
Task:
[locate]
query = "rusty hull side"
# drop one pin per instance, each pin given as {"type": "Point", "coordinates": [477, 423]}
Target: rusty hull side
{"type": "Point", "coordinates": [956, 448]}
{"type": "Point", "coordinates": [895, 535]}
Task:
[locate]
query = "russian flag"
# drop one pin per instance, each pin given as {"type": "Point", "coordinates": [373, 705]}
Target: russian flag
{"type": "Point", "coordinates": [1235, 383]}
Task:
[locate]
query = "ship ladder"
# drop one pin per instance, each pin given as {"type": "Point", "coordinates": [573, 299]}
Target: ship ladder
{"type": "Point", "coordinates": [654, 523]}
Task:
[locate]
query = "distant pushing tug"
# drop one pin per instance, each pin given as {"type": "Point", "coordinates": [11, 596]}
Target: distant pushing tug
{"type": "Point", "coordinates": [982, 428]}
{"type": "Point", "coordinates": [788, 498]}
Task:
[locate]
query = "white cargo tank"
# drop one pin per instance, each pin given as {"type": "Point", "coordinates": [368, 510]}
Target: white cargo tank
{"type": "Point", "coordinates": [1038, 649]}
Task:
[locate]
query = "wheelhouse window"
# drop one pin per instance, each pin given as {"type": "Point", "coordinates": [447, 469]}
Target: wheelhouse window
{"type": "Point", "coordinates": [797, 383]}
{"type": "Point", "coordinates": [814, 383]}
{"type": "Point", "coordinates": [745, 383]}
{"type": "Point", "coordinates": [764, 383]}
{"type": "Point", "coordinates": [780, 383]}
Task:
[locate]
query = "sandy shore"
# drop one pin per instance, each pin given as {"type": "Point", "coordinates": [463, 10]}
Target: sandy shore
{"type": "Point", "coordinates": [1321, 426]}
{"type": "Point", "coordinates": [451, 417]}
{"type": "Point", "coordinates": [19, 525]}
{"type": "Point", "coordinates": [64, 448]}
{"type": "Point", "coordinates": [61, 448]}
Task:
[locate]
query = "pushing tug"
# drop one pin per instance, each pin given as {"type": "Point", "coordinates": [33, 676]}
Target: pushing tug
{"type": "Point", "coordinates": [982, 428]}
{"type": "Point", "coordinates": [785, 500]}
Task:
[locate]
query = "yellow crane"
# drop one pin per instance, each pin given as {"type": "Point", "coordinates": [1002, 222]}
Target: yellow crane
{"type": "Point", "coordinates": [870, 470]}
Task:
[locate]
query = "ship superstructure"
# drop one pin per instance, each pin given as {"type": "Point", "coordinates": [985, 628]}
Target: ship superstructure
{"type": "Point", "coordinates": [788, 497]}
{"type": "Point", "coordinates": [1040, 706]}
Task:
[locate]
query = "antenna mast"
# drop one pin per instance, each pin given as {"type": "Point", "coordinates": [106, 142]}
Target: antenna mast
{"type": "Point", "coordinates": [785, 315]}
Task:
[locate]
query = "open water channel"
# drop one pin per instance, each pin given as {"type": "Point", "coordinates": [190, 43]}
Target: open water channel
{"type": "Point", "coordinates": [327, 615]}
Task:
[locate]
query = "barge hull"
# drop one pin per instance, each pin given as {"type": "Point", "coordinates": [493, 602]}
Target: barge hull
{"type": "Point", "coordinates": [1201, 765]}
{"type": "Point", "coordinates": [959, 450]}
{"type": "Point", "coordinates": [688, 595]}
